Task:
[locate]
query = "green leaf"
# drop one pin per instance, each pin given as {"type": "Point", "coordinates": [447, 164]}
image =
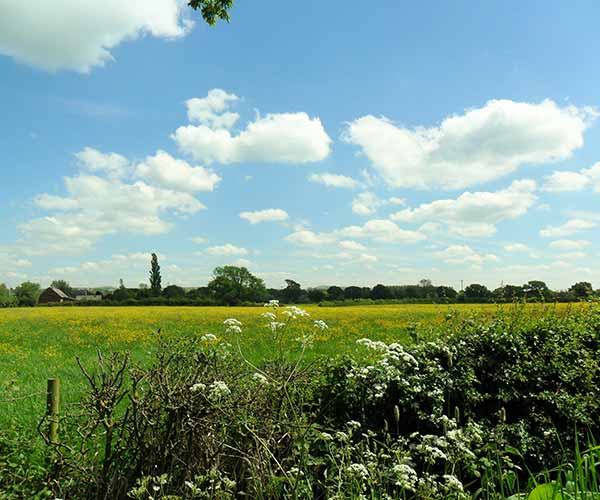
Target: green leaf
{"type": "Point", "coordinates": [548, 491]}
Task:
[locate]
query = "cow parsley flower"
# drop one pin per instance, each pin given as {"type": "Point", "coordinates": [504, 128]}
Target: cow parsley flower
{"type": "Point", "coordinates": [272, 303]}
{"type": "Point", "coordinates": [358, 470]}
{"type": "Point", "coordinates": [320, 324]}
{"type": "Point", "coordinates": [294, 312]}
{"type": "Point", "coordinates": [219, 390]}
{"type": "Point", "coordinates": [233, 325]}
{"type": "Point", "coordinates": [269, 315]}
{"type": "Point", "coordinates": [260, 378]}
{"type": "Point", "coordinates": [197, 387]}
{"type": "Point", "coordinates": [404, 476]}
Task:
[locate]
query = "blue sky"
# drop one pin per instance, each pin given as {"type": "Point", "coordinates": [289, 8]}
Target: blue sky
{"type": "Point", "coordinates": [326, 142]}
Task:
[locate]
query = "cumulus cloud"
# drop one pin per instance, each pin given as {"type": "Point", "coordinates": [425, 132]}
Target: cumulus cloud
{"type": "Point", "coordinates": [274, 138]}
{"type": "Point", "coordinates": [227, 250]}
{"type": "Point", "coordinates": [95, 207]}
{"type": "Point", "coordinates": [335, 180]}
{"type": "Point", "coordinates": [79, 35]}
{"type": "Point", "coordinates": [480, 145]}
{"type": "Point", "coordinates": [112, 164]}
{"type": "Point", "coordinates": [567, 181]}
{"type": "Point", "coordinates": [463, 254]}
{"type": "Point", "coordinates": [168, 172]}
{"type": "Point", "coordinates": [351, 245]}
{"type": "Point", "coordinates": [212, 109]}
{"type": "Point", "coordinates": [381, 230]}
{"type": "Point", "coordinates": [569, 244]}
{"type": "Point", "coordinates": [365, 203]}
{"type": "Point", "coordinates": [270, 214]}
{"type": "Point", "coordinates": [305, 237]}
{"type": "Point", "coordinates": [516, 248]}
{"type": "Point", "coordinates": [572, 226]}
{"type": "Point", "coordinates": [475, 214]}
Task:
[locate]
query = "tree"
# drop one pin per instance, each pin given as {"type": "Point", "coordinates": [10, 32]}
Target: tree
{"type": "Point", "coordinates": [425, 282]}
{"type": "Point", "coordinates": [28, 293]}
{"type": "Point", "coordinates": [63, 286]}
{"type": "Point", "coordinates": [6, 299]}
{"type": "Point", "coordinates": [353, 292]}
{"type": "Point", "coordinates": [173, 292]}
{"type": "Point", "coordinates": [232, 285]}
{"type": "Point", "coordinates": [446, 293]}
{"type": "Point", "coordinates": [335, 293]}
{"type": "Point", "coordinates": [477, 293]}
{"type": "Point", "coordinates": [582, 290]}
{"type": "Point", "coordinates": [155, 278]}
{"type": "Point", "coordinates": [316, 295]}
{"type": "Point", "coordinates": [292, 292]}
{"type": "Point", "coordinates": [380, 292]}
{"type": "Point", "coordinates": [536, 290]}
{"type": "Point", "coordinates": [212, 10]}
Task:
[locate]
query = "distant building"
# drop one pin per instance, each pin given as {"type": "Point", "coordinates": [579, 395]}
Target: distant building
{"type": "Point", "coordinates": [88, 297]}
{"type": "Point", "coordinates": [54, 295]}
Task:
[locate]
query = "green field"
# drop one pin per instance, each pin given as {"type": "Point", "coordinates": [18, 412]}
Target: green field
{"type": "Point", "coordinates": [41, 343]}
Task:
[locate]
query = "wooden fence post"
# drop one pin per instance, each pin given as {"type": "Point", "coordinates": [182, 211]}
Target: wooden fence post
{"type": "Point", "coordinates": [52, 405]}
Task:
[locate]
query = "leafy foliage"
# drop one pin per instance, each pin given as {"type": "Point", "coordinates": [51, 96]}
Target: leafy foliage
{"type": "Point", "coordinates": [212, 10]}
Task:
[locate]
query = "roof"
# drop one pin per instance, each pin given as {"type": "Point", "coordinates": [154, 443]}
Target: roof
{"type": "Point", "coordinates": [59, 292]}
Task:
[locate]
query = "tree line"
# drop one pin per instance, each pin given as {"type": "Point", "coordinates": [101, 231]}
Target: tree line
{"type": "Point", "coordinates": [233, 285]}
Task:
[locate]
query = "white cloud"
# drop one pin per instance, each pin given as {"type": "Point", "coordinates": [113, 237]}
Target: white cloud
{"type": "Point", "coordinates": [558, 182]}
{"type": "Point", "coordinates": [304, 237]}
{"type": "Point", "coordinates": [365, 203]}
{"type": "Point", "coordinates": [569, 244]}
{"type": "Point", "coordinates": [475, 214]}
{"type": "Point", "coordinates": [198, 240]}
{"type": "Point", "coordinates": [275, 138]}
{"type": "Point", "coordinates": [571, 255]}
{"type": "Point", "coordinates": [96, 207]}
{"type": "Point", "coordinates": [270, 214]}
{"type": "Point", "coordinates": [481, 145]}
{"type": "Point", "coordinates": [463, 254]}
{"type": "Point", "coordinates": [335, 180]}
{"type": "Point", "coordinates": [567, 181]}
{"type": "Point", "coordinates": [517, 248]}
{"type": "Point", "coordinates": [381, 230]}
{"type": "Point", "coordinates": [168, 172]}
{"type": "Point", "coordinates": [352, 245]}
{"type": "Point", "coordinates": [227, 249]}
{"type": "Point", "coordinates": [212, 109]}
{"type": "Point", "coordinates": [79, 34]}
{"type": "Point", "coordinates": [570, 227]}
{"type": "Point", "coordinates": [112, 164]}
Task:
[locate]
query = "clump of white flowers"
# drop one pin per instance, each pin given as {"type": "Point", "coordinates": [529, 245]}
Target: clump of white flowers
{"type": "Point", "coordinates": [272, 303]}
{"type": "Point", "coordinates": [198, 387]}
{"type": "Point", "coordinates": [320, 324]}
{"type": "Point", "coordinates": [404, 476]}
{"type": "Point", "coordinates": [233, 325]}
{"type": "Point", "coordinates": [260, 378]}
{"type": "Point", "coordinates": [218, 390]}
{"type": "Point", "coordinates": [209, 338]}
{"type": "Point", "coordinates": [293, 312]}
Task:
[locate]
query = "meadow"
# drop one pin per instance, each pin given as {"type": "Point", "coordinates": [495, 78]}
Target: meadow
{"type": "Point", "coordinates": [44, 342]}
{"type": "Point", "coordinates": [455, 401]}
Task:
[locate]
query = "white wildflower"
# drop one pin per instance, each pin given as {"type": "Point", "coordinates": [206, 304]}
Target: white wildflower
{"type": "Point", "coordinates": [260, 378]}
{"type": "Point", "coordinates": [269, 315]}
{"type": "Point", "coordinates": [405, 476]}
{"type": "Point", "coordinates": [272, 303]}
{"type": "Point", "coordinates": [208, 338]}
{"type": "Point", "coordinates": [320, 324]}
{"type": "Point", "coordinates": [325, 436]}
{"type": "Point", "coordinates": [219, 390]}
{"type": "Point", "coordinates": [198, 387]}
{"type": "Point", "coordinates": [276, 325]}
{"type": "Point", "coordinates": [358, 470]}
{"type": "Point", "coordinates": [353, 424]}
{"type": "Point", "coordinates": [453, 482]}
{"type": "Point", "coordinates": [294, 312]}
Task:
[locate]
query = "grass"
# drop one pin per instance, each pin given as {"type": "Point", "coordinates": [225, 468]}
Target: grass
{"type": "Point", "coordinates": [41, 343]}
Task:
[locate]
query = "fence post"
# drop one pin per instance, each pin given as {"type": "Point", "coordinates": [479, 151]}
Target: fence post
{"type": "Point", "coordinates": [52, 405]}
